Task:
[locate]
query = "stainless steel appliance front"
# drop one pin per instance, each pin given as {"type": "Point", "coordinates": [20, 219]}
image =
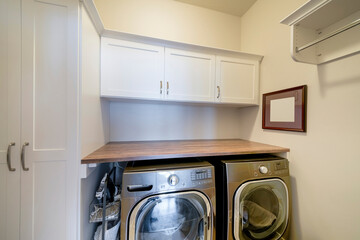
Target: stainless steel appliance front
{"type": "Point", "coordinates": [253, 198]}
{"type": "Point", "coordinates": [172, 201]}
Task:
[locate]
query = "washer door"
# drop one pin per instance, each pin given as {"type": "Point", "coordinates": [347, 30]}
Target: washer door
{"type": "Point", "coordinates": [176, 216]}
{"type": "Point", "coordinates": [261, 210]}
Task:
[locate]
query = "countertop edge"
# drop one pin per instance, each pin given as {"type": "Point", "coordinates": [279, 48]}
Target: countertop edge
{"type": "Point", "coordinates": [114, 156]}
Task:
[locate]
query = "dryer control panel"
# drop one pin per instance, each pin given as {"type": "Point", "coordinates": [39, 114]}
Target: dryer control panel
{"type": "Point", "coordinates": [268, 168]}
{"type": "Point", "coordinates": [240, 170]}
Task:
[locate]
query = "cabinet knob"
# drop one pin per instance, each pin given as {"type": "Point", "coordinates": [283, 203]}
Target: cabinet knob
{"type": "Point", "coordinates": [161, 87]}
{"type": "Point", "coordinates": [218, 90]}
{"type": "Point", "coordinates": [167, 88]}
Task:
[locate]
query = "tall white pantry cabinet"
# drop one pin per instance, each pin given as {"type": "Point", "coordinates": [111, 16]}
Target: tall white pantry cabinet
{"type": "Point", "coordinates": [39, 119]}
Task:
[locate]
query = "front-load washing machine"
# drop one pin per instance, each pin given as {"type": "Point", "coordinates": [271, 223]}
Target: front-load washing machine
{"type": "Point", "coordinates": [168, 201]}
{"type": "Point", "coordinates": [253, 198]}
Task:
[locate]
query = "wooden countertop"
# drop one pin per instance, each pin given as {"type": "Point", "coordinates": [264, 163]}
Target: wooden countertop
{"type": "Point", "coordinates": [151, 150]}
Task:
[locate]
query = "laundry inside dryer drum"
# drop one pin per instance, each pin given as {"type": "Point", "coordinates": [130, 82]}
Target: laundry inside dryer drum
{"type": "Point", "coordinates": [171, 218]}
{"type": "Point", "coordinates": [262, 210]}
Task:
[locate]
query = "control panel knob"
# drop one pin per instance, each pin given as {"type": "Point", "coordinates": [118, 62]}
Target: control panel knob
{"type": "Point", "coordinates": [173, 180]}
{"type": "Point", "coordinates": [263, 169]}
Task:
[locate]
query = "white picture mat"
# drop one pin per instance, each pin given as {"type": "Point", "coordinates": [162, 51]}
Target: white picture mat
{"type": "Point", "coordinates": [282, 110]}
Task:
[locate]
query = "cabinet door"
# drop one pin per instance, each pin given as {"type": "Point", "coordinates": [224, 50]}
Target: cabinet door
{"type": "Point", "coordinates": [48, 119]}
{"type": "Point", "coordinates": [10, 74]}
{"type": "Point", "coordinates": [237, 80]}
{"type": "Point", "coordinates": [189, 76]}
{"type": "Point", "coordinates": [131, 70]}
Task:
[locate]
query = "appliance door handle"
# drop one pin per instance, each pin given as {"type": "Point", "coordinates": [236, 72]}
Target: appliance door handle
{"type": "Point", "coordinates": [139, 188]}
{"type": "Point", "coordinates": [23, 156]}
{"type": "Point", "coordinates": [8, 157]}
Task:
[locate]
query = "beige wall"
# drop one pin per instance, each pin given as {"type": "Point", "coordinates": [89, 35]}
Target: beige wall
{"type": "Point", "coordinates": [171, 20]}
{"type": "Point", "coordinates": [324, 162]}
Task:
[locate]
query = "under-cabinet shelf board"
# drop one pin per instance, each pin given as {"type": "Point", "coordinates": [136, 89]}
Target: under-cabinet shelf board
{"type": "Point", "coordinates": [151, 150]}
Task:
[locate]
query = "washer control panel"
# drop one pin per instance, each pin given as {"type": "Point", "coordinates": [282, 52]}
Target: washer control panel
{"type": "Point", "coordinates": [184, 178]}
{"type": "Point", "coordinates": [201, 177]}
{"type": "Point", "coordinates": [201, 174]}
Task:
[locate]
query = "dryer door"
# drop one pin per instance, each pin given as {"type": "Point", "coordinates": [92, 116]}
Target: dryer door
{"type": "Point", "coordinates": [176, 216]}
{"type": "Point", "coordinates": [261, 210]}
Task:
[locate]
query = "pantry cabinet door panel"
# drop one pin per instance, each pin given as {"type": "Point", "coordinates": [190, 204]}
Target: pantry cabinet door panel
{"type": "Point", "coordinates": [9, 203]}
{"type": "Point", "coordinates": [189, 76]}
{"type": "Point", "coordinates": [10, 74]}
{"type": "Point", "coordinates": [49, 85]}
{"type": "Point", "coordinates": [131, 70]}
{"type": "Point", "coordinates": [48, 126]}
{"type": "Point", "coordinates": [49, 199]}
{"type": "Point", "coordinates": [238, 80]}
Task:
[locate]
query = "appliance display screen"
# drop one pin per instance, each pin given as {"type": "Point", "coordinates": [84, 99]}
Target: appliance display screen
{"type": "Point", "coordinates": [201, 174]}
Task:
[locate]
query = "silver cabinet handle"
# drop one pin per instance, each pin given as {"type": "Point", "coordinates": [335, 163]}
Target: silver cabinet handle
{"type": "Point", "coordinates": [8, 157]}
{"type": "Point", "coordinates": [160, 87]}
{"type": "Point", "coordinates": [23, 156]}
{"type": "Point", "coordinates": [167, 88]}
{"type": "Point", "coordinates": [218, 89]}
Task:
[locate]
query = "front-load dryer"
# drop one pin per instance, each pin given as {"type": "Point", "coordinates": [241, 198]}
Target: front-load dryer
{"type": "Point", "coordinates": [253, 196]}
{"type": "Point", "coordinates": [168, 201]}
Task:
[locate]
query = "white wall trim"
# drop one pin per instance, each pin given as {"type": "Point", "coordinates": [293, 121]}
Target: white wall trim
{"type": "Point", "coordinates": [304, 11]}
{"type": "Point", "coordinates": [179, 45]}
{"type": "Point", "coordinates": [94, 15]}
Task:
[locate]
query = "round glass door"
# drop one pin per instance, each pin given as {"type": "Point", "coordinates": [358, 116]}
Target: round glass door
{"type": "Point", "coordinates": [261, 210]}
{"type": "Point", "coordinates": [180, 216]}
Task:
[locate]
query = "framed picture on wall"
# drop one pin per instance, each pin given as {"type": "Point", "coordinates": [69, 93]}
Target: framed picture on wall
{"type": "Point", "coordinates": [285, 109]}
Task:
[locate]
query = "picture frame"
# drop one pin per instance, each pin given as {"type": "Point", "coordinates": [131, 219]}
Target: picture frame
{"type": "Point", "coordinates": [285, 109]}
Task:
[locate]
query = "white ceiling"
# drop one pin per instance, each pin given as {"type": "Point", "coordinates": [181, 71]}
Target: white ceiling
{"type": "Point", "coordinates": [233, 7]}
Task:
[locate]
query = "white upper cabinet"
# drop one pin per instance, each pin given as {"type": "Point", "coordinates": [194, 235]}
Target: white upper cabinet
{"type": "Point", "coordinates": [178, 72]}
{"type": "Point", "coordinates": [189, 76]}
{"type": "Point", "coordinates": [131, 70]}
{"type": "Point", "coordinates": [237, 80]}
